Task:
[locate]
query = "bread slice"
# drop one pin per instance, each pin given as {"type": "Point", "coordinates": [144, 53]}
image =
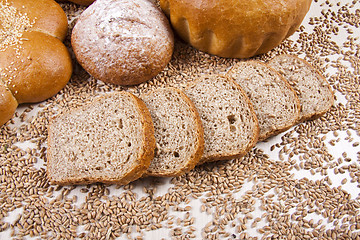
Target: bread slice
{"type": "Point", "coordinates": [110, 140]}
{"type": "Point", "coordinates": [179, 133]}
{"type": "Point", "coordinates": [314, 92]}
{"type": "Point", "coordinates": [275, 102]}
{"type": "Point", "coordinates": [230, 125]}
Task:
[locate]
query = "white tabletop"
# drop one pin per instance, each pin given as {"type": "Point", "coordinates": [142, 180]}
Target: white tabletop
{"type": "Point", "coordinates": [301, 184]}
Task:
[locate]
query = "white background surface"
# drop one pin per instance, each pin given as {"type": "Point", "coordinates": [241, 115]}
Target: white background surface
{"type": "Point", "coordinates": [202, 218]}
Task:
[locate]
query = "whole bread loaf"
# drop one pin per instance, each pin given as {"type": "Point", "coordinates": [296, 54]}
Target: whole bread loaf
{"type": "Point", "coordinates": [231, 127]}
{"type": "Point", "coordinates": [34, 63]}
{"type": "Point", "coordinates": [110, 140]}
{"type": "Point", "coordinates": [179, 133]}
{"type": "Point", "coordinates": [234, 28]}
{"type": "Point", "coordinates": [123, 42]}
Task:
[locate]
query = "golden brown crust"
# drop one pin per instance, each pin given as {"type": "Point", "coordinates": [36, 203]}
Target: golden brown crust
{"type": "Point", "coordinates": [34, 63]}
{"type": "Point", "coordinates": [144, 156]}
{"type": "Point", "coordinates": [47, 15]}
{"type": "Point", "coordinates": [232, 28]}
{"type": "Point", "coordinates": [199, 142]}
{"type": "Point", "coordinates": [8, 104]}
{"type": "Point", "coordinates": [44, 70]}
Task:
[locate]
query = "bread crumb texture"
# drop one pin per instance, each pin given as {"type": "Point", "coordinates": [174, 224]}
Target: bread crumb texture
{"type": "Point", "coordinates": [179, 132]}
{"type": "Point", "coordinates": [301, 184]}
{"type": "Point", "coordinates": [103, 141]}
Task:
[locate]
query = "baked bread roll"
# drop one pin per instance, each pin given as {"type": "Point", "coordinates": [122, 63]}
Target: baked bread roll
{"type": "Point", "coordinates": [44, 69]}
{"type": "Point", "coordinates": [8, 104]}
{"type": "Point", "coordinates": [233, 28]}
{"type": "Point", "coordinates": [34, 63]}
{"type": "Point", "coordinates": [123, 42]}
{"type": "Point", "coordinates": [45, 16]}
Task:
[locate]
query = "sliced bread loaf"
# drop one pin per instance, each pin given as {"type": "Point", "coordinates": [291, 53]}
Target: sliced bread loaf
{"type": "Point", "coordinates": [275, 102]}
{"type": "Point", "coordinates": [179, 133]}
{"type": "Point", "coordinates": [110, 140]}
{"type": "Point", "coordinates": [230, 125]}
{"type": "Point", "coordinates": [314, 92]}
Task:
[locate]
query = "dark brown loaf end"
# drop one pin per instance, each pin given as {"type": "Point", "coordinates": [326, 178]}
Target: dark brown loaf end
{"type": "Point", "coordinates": [230, 125]}
{"type": "Point", "coordinates": [275, 103]}
{"type": "Point", "coordinates": [179, 133]}
{"type": "Point", "coordinates": [110, 140]}
{"type": "Point", "coordinates": [314, 92]}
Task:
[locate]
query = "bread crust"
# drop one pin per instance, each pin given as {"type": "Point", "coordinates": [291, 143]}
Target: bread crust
{"type": "Point", "coordinates": [82, 2]}
{"type": "Point", "coordinates": [8, 104]}
{"type": "Point", "coordinates": [321, 78]}
{"type": "Point", "coordinates": [145, 155]}
{"type": "Point", "coordinates": [34, 63]}
{"type": "Point", "coordinates": [44, 70]}
{"type": "Point", "coordinates": [123, 42]}
{"type": "Point", "coordinates": [284, 126]}
{"type": "Point", "coordinates": [236, 152]}
{"type": "Point", "coordinates": [327, 85]}
{"type": "Point", "coordinates": [233, 28]}
{"type": "Point", "coordinates": [250, 145]}
{"type": "Point", "coordinates": [48, 16]}
{"type": "Point", "coordinates": [199, 143]}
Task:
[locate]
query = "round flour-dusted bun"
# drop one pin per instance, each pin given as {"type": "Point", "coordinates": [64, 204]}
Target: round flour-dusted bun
{"type": "Point", "coordinates": [124, 42]}
{"type": "Point", "coordinates": [34, 63]}
{"type": "Point", "coordinates": [235, 28]}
